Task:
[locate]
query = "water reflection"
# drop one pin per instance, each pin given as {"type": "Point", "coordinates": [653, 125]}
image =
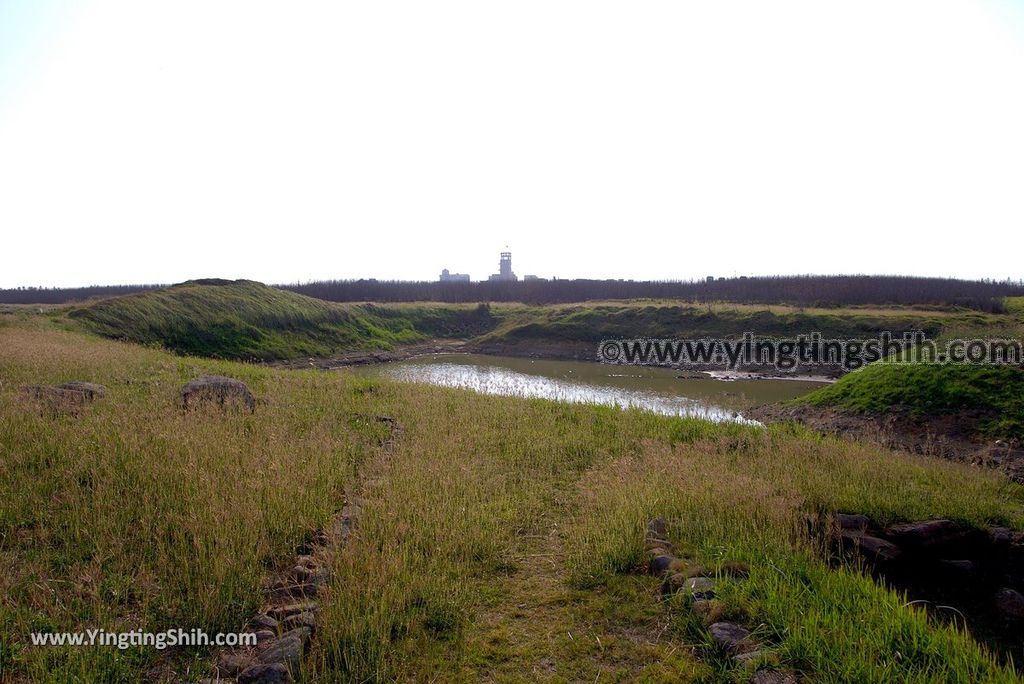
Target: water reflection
{"type": "Point", "coordinates": [497, 380]}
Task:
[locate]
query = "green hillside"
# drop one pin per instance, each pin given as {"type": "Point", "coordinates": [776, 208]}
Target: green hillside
{"type": "Point", "coordinates": [243, 319]}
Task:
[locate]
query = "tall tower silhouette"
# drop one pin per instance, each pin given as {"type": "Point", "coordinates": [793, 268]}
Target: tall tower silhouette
{"type": "Point", "coordinates": [504, 267]}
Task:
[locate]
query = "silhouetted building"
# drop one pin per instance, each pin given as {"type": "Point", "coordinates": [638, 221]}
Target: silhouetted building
{"type": "Point", "coordinates": [447, 277]}
{"type": "Point", "coordinates": [504, 268]}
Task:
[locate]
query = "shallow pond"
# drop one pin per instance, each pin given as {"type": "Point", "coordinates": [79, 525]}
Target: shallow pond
{"type": "Point", "coordinates": [660, 390]}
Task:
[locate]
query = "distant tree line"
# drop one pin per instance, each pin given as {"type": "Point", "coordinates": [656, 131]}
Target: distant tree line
{"type": "Point", "coordinates": [809, 290]}
{"type": "Point", "coordinates": [65, 295]}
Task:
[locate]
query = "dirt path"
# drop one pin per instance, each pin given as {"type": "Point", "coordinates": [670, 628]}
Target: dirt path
{"type": "Point", "coordinates": [535, 627]}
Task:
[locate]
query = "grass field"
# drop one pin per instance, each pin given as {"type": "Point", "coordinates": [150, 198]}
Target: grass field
{"type": "Point", "coordinates": [500, 538]}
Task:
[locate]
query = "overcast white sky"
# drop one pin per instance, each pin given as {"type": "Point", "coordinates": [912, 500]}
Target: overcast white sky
{"type": "Point", "coordinates": [145, 141]}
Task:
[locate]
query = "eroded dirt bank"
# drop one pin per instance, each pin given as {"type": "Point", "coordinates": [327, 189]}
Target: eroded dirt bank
{"type": "Point", "coordinates": [951, 436]}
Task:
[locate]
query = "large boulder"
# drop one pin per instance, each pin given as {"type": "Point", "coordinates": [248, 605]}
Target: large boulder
{"type": "Point", "coordinates": [935, 536]}
{"type": "Point", "coordinates": [91, 390]}
{"type": "Point", "coordinates": [875, 550]}
{"type": "Point", "coordinates": [852, 521]}
{"type": "Point", "coordinates": [54, 400]}
{"type": "Point", "coordinates": [216, 389]}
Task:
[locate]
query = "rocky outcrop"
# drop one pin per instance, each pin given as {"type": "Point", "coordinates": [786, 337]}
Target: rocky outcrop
{"type": "Point", "coordinates": [975, 575]}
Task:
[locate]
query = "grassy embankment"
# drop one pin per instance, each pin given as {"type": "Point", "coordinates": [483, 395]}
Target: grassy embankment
{"type": "Point", "coordinates": [498, 540]}
{"type": "Point", "coordinates": [989, 397]}
{"type": "Point", "coordinates": [245, 320]}
{"type": "Point", "coordinates": [992, 396]}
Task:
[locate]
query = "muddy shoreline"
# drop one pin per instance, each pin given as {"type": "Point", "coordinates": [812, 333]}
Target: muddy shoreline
{"type": "Point", "coordinates": [546, 351]}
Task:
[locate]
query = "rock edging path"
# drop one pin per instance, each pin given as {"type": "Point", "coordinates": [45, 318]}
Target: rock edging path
{"type": "Point", "coordinates": [733, 640]}
{"type": "Point", "coordinates": [288, 622]}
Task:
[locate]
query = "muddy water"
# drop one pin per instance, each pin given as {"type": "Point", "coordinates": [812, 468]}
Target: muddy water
{"type": "Point", "coordinates": [653, 389]}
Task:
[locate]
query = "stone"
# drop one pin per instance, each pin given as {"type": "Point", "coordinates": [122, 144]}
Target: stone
{"type": "Point", "coordinates": [702, 607]}
{"type": "Point", "coordinates": [91, 390]}
{"type": "Point", "coordinates": [301, 633]}
{"type": "Point", "coordinates": [928, 534]}
{"type": "Point", "coordinates": [957, 568]}
{"type": "Point", "coordinates": [265, 635]}
{"type": "Point", "coordinates": [230, 664]}
{"type": "Point", "coordinates": [1009, 603]}
{"type": "Point", "coordinates": [874, 549]}
{"type": "Point", "coordinates": [852, 521]}
{"type": "Point", "coordinates": [701, 588]}
{"type": "Point", "coordinates": [658, 545]}
{"type": "Point", "coordinates": [281, 612]}
{"type": "Point", "coordinates": [773, 677]}
{"type": "Point", "coordinates": [730, 637]}
{"type": "Point", "coordinates": [343, 528]}
{"type": "Point", "coordinates": [1000, 536]}
{"type": "Point", "coordinates": [749, 657]}
{"type": "Point", "coordinates": [287, 651]}
{"type": "Point", "coordinates": [54, 400]}
{"type": "Point", "coordinates": [673, 582]}
{"type": "Point", "coordinates": [306, 619]}
{"type": "Point", "coordinates": [216, 389]}
{"type": "Point", "coordinates": [660, 563]}
{"type": "Point", "coordinates": [264, 621]}
{"type": "Point", "coordinates": [657, 528]}
{"type": "Point", "coordinates": [288, 589]}
{"type": "Point", "coordinates": [271, 673]}
{"type": "Point", "coordinates": [301, 573]}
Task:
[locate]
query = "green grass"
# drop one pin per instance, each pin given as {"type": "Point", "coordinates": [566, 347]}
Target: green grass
{"type": "Point", "coordinates": [594, 322]}
{"type": "Point", "coordinates": [498, 538]}
{"type": "Point", "coordinates": [742, 500]}
{"type": "Point", "coordinates": [1015, 306]}
{"type": "Point", "coordinates": [995, 393]}
{"type": "Point", "coordinates": [246, 320]}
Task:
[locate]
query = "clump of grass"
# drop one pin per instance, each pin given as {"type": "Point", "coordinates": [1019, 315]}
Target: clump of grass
{"type": "Point", "coordinates": [994, 392]}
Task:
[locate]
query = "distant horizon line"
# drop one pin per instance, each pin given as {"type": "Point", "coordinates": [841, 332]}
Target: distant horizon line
{"type": "Point", "coordinates": [716, 278]}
